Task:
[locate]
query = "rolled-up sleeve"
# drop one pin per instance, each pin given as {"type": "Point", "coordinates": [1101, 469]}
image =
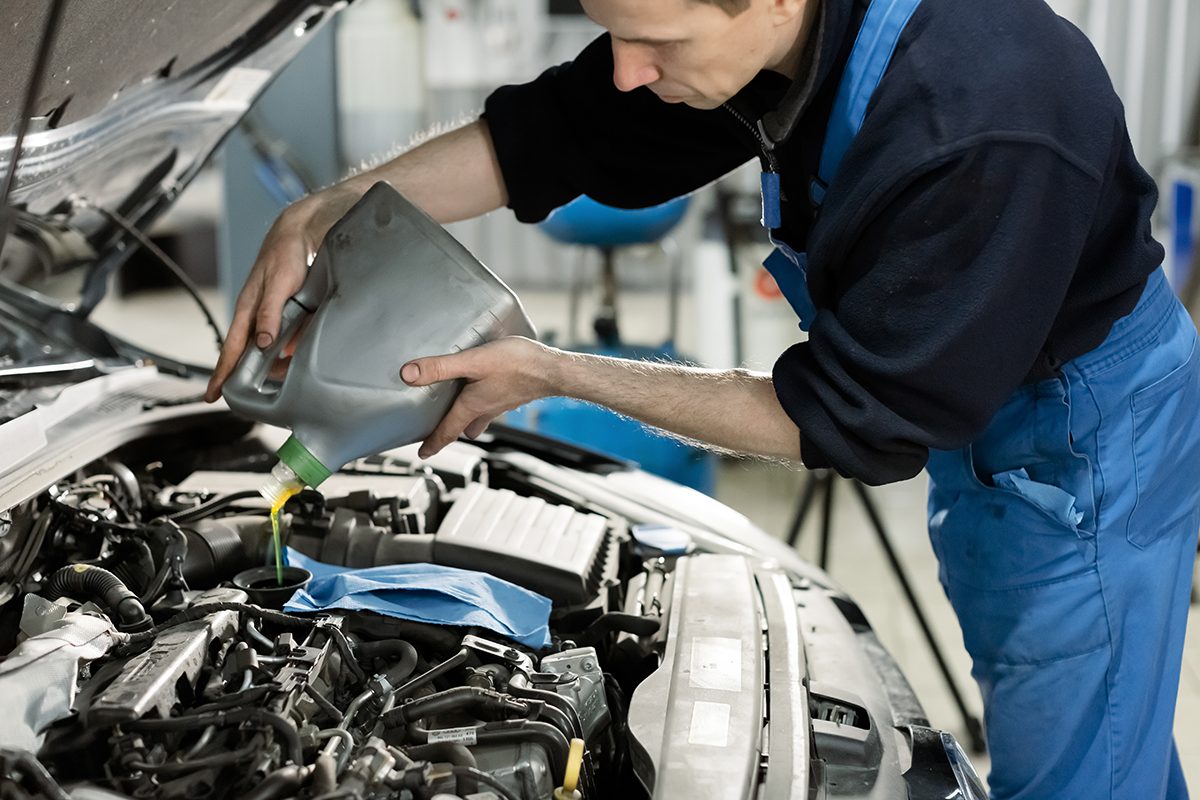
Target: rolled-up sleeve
{"type": "Point", "coordinates": [946, 297]}
{"type": "Point", "coordinates": [570, 131]}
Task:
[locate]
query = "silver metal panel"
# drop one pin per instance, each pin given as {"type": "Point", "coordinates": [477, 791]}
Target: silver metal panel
{"type": "Point", "coordinates": [696, 724]}
{"type": "Point", "coordinates": [585, 690]}
{"type": "Point", "coordinates": [150, 680]}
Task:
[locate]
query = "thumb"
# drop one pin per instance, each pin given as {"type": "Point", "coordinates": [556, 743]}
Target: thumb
{"type": "Point", "coordinates": [434, 369]}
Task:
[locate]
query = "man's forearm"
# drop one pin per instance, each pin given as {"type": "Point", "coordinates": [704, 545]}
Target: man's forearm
{"type": "Point", "coordinates": [735, 410]}
{"type": "Point", "coordinates": [452, 177]}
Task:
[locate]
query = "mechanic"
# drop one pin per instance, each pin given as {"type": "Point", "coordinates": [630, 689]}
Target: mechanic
{"type": "Point", "coordinates": [964, 232]}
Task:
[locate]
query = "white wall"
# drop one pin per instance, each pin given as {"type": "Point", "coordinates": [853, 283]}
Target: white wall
{"type": "Point", "coordinates": [1152, 51]}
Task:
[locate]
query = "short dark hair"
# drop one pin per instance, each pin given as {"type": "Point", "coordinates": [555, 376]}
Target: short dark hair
{"type": "Point", "coordinates": [730, 7]}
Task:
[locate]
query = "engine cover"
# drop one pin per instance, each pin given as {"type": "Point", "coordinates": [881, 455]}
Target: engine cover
{"type": "Point", "coordinates": [555, 550]}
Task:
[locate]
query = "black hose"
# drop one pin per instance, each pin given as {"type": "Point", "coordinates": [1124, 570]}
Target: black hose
{"type": "Point", "coordinates": [556, 701]}
{"type": "Point", "coordinates": [566, 713]}
{"type": "Point", "coordinates": [619, 621]}
{"type": "Point", "coordinates": [437, 638]}
{"type": "Point", "coordinates": [257, 637]}
{"type": "Point", "coordinates": [216, 504]}
{"type": "Point", "coordinates": [349, 660]}
{"type": "Point", "coordinates": [450, 753]}
{"type": "Point", "coordinates": [84, 581]}
{"type": "Point", "coordinates": [558, 719]}
{"type": "Point", "coordinates": [454, 661]}
{"type": "Point", "coordinates": [616, 705]}
{"type": "Point", "coordinates": [478, 701]}
{"type": "Point", "coordinates": [206, 762]}
{"type": "Point", "coordinates": [509, 731]}
{"type": "Point", "coordinates": [484, 777]}
{"type": "Point", "coordinates": [389, 649]}
{"type": "Point", "coordinates": [285, 730]}
{"type": "Point", "coordinates": [128, 482]}
{"type": "Point", "coordinates": [562, 711]}
{"type": "Point", "coordinates": [201, 611]}
{"type": "Point", "coordinates": [244, 698]}
{"type": "Point", "coordinates": [283, 782]}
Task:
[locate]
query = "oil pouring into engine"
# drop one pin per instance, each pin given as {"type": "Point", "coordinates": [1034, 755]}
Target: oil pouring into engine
{"type": "Point", "coordinates": [277, 505]}
{"type": "Point", "coordinates": [388, 285]}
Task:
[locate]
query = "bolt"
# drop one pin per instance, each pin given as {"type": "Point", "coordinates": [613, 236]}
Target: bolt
{"type": "Point", "coordinates": [588, 666]}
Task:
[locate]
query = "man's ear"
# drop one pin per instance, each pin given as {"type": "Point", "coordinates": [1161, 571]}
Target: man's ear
{"type": "Point", "coordinates": [786, 11]}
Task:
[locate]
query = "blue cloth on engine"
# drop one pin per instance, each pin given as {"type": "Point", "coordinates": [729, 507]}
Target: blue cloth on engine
{"type": "Point", "coordinates": [426, 593]}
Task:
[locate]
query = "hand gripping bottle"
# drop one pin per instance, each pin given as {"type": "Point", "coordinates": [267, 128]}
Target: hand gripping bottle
{"type": "Point", "coordinates": [387, 285]}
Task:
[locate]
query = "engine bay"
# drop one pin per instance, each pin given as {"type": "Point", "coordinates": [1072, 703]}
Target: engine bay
{"type": "Point", "coordinates": [140, 664]}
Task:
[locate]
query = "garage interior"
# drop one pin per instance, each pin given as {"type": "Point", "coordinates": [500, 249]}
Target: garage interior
{"type": "Point", "coordinates": [377, 76]}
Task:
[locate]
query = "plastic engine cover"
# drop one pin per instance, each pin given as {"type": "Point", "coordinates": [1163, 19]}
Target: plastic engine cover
{"type": "Point", "coordinates": [555, 550]}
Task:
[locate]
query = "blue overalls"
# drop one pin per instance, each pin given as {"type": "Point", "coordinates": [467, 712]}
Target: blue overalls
{"type": "Point", "coordinates": [1066, 533]}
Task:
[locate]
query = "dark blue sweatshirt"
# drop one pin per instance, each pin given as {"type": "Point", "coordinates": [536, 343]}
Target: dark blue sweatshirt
{"type": "Point", "coordinates": [989, 223]}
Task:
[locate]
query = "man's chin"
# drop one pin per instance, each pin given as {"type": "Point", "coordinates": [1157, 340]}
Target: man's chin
{"type": "Point", "coordinates": [691, 100]}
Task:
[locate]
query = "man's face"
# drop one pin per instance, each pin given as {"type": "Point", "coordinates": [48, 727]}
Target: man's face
{"type": "Point", "coordinates": [684, 51]}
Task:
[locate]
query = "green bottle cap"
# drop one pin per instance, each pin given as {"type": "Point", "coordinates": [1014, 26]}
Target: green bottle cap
{"type": "Point", "coordinates": [306, 466]}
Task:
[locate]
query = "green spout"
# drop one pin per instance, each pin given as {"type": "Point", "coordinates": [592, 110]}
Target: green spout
{"type": "Point", "coordinates": [307, 467]}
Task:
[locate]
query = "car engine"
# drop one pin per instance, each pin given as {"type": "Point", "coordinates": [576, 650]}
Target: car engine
{"type": "Point", "coordinates": [140, 665]}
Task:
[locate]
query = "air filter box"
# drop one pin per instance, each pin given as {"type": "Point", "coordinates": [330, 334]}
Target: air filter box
{"type": "Point", "coordinates": [564, 554]}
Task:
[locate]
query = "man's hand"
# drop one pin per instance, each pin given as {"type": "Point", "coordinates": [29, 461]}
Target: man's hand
{"type": "Point", "coordinates": [500, 376]}
{"type": "Point", "coordinates": [732, 410]}
{"type": "Point", "coordinates": [278, 273]}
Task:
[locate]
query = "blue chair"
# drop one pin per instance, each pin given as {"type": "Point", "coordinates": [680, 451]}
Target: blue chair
{"type": "Point", "coordinates": [588, 223]}
{"type": "Point", "coordinates": [585, 222]}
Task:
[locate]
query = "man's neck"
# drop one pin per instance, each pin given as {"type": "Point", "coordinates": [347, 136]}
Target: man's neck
{"type": "Point", "coordinates": [791, 61]}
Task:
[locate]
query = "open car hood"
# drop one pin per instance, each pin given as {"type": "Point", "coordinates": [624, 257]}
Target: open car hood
{"type": "Point", "coordinates": [136, 97]}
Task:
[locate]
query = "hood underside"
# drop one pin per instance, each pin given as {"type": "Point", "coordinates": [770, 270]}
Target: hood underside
{"type": "Point", "coordinates": [104, 49]}
{"type": "Point", "coordinates": [136, 97]}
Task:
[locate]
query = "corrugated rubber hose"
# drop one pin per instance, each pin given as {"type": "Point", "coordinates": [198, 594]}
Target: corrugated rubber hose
{"type": "Point", "coordinates": [87, 582]}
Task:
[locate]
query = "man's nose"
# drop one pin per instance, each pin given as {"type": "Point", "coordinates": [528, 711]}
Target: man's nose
{"type": "Point", "coordinates": [633, 66]}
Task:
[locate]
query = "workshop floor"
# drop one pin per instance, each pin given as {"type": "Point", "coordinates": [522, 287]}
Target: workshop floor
{"type": "Point", "coordinates": [166, 322]}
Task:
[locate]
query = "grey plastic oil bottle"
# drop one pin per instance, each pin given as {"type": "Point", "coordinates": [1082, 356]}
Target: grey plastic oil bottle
{"type": "Point", "coordinates": [388, 285]}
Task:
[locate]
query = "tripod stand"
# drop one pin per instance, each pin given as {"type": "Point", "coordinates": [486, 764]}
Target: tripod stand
{"type": "Point", "coordinates": [824, 481]}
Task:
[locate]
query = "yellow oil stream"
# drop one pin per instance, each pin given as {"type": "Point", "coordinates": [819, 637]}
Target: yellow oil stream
{"type": "Point", "coordinates": [275, 509]}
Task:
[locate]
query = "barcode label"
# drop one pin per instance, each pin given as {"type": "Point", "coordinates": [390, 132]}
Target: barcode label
{"type": "Point", "coordinates": [457, 735]}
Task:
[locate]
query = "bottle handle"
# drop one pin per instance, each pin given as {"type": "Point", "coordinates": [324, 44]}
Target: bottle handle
{"type": "Point", "coordinates": [246, 387]}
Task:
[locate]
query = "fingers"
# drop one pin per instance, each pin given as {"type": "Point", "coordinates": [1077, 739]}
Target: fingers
{"type": "Point", "coordinates": [235, 340]}
{"type": "Point", "coordinates": [449, 429]}
{"type": "Point", "coordinates": [284, 273]}
{"type": "Point", "coordinates": [478, 426]}
{"type": "Point", "coordinates": [270, 309]}
{"type": "Point", "coordinates": [276, 275]}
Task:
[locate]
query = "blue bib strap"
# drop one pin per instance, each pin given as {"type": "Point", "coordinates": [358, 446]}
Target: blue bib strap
{"type": "Point", "coordinates": [792, 279]}
{"type": "Point", "coordinates": [873, 49]}
{"type": "Point", "coordinates": [772, 213]}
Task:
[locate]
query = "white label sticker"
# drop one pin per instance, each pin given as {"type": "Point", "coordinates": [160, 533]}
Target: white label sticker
{"type": "Point", "coordinates": [457, 735]}
{"type": "Point", "coordinates": [710, 724]}
{"type": "Point", "coordinates": [238, 87]}
{"type": "Point", "coordinates": [716, 664]}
